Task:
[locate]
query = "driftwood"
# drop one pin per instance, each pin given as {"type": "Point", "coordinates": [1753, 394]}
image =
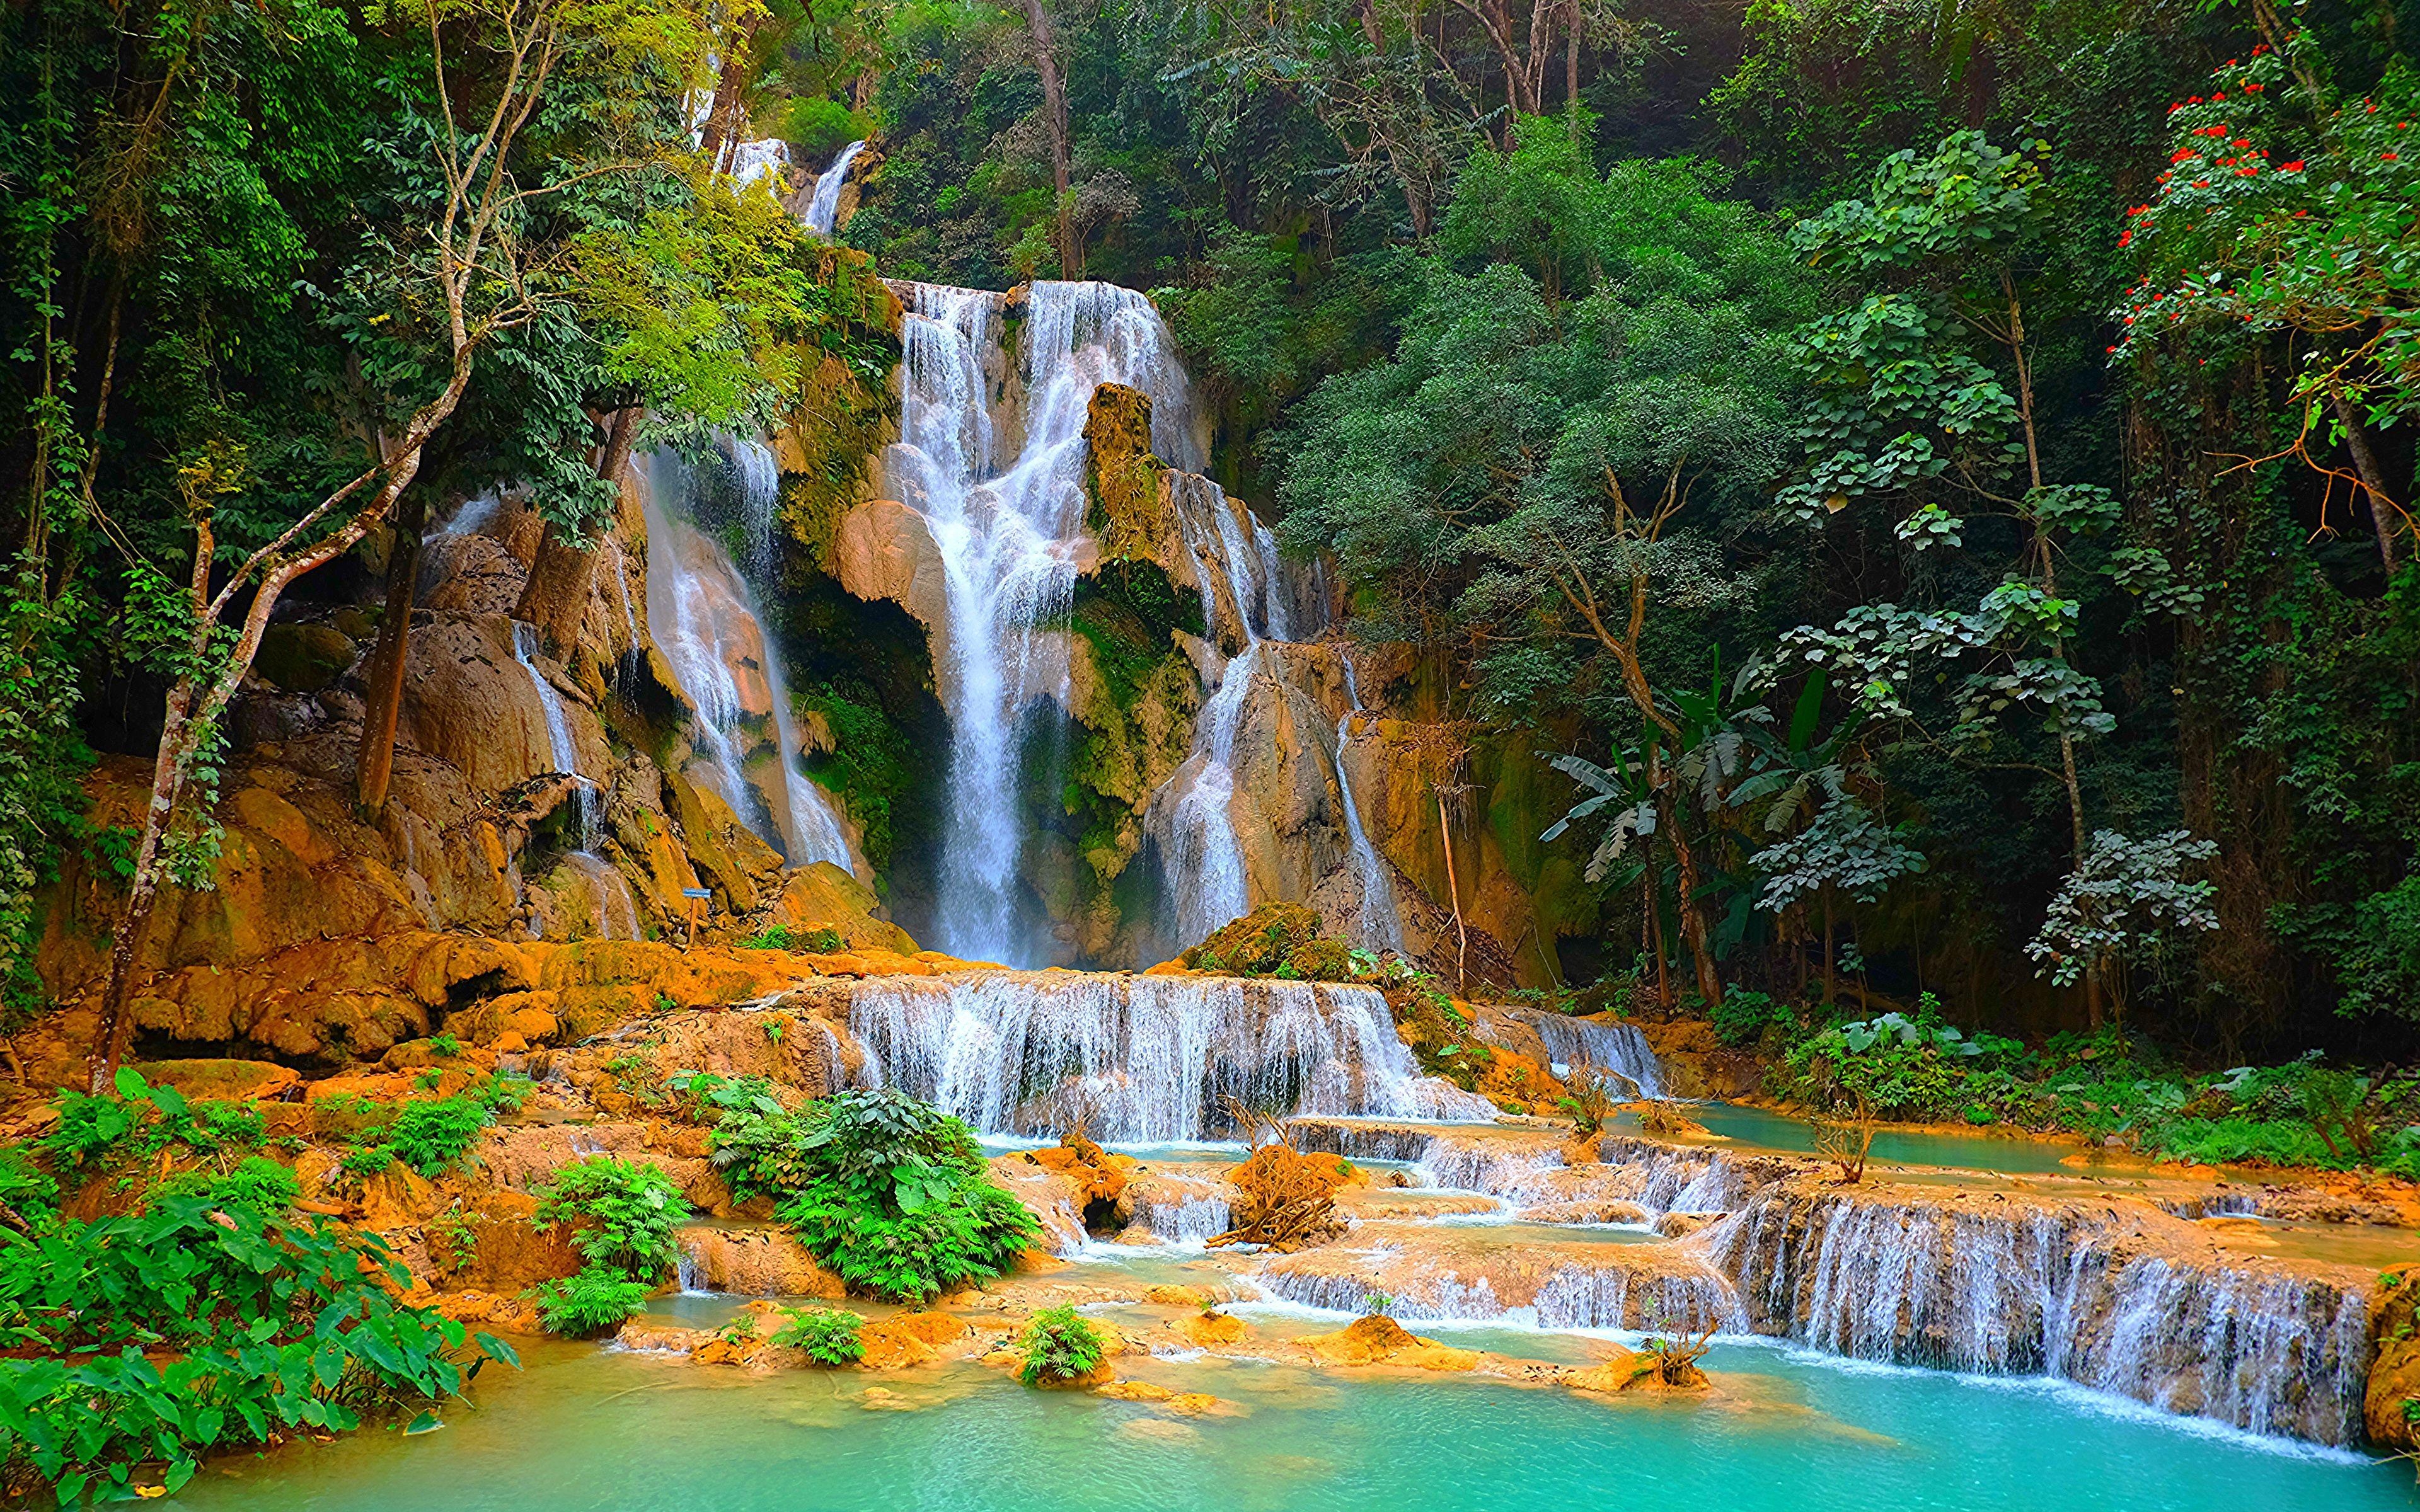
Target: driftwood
{"type": "Point", "coordinates": [1286, 1199]}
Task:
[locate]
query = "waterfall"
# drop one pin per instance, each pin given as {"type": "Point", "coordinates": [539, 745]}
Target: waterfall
{"type": "Point", "coordinates": [1575, 1043]}
{"type": "Point", "coordinates": [1008, 539]}
{"type": "Point", "coordinates": [703, 618]}
{"type": "Point", "coordinates": [1151, 1059]}
{"type": "Point", "coordinates": [2058, 1290]}
{"type": "Point", "coordinates": [1382, 916]}
{"type": "Point", "coordinates": [1612, 1296]}
{"type": "Point", "coordinates": [561, 748]}
{"type": "Point", "coordinates": [1205, 864]}
{"type": "Point", "coordinates": [762, 158]}
{"type": "Point", "coordinates": [824, 209]}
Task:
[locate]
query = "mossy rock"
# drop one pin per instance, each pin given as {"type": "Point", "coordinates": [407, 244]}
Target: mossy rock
{"type": "Point", "coordinates": [304, 659]}
{"type": "Point", "coordinates": [1121, 475]}
{"type": "Point", "coordinates": [1257, 944]}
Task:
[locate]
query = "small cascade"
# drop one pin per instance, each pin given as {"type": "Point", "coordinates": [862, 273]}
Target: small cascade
{"type": "Point", "coordinates": [1009, 531]}
{"type": "Point", "coordinates": [1612, 1296]}
{"type": "Point", "coordinates": [1183, 1215]}
{"type": "Point", "coordinates": [1193, 813]}
{"type": "Point", "coordinates": [703, 618]}
{"type": "Point", "coordinates": [824, 207]}
{"type": "Point", "coordinates": [615, 914]}
{"type": "Point", "coordinates": [561, 750]}
{"type": "Point", "coordinates": [1574, 1042]}
{"type": "Point", "coordinates": [2057, 1291]}
{"type": "Point", "coordinates": [1382, 916]}
{"type": "Point", "coordinates": [1440, 1297]}
{"type": "Point", "coordinates": [1149, 1059]}
{"type": "Point", "coordinates": [1205, 864]}
{"type": "Point", "coordinates": [762, 158]}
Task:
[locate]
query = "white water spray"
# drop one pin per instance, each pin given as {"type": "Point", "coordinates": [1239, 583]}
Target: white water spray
{"type": "Point", "coordinates": [824, 209]}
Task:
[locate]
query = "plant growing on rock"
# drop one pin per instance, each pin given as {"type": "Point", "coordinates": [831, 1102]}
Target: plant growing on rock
{"type": "Point", "coordinates": [890, 1192]}
{"type": "Point", "coordinates": [589, 1302]}
{"type": "Point", "coordinates": [1286, 1198]}
{"type": "Point", "coordinates": [1846, 1141]}
{"type": "Point", "coordinates": [623, 1214]}
{"type": "Point", "coordinates": [1591, 1101]}
{"type": "Point", "coordinates": [829, 1336]}
{"type": "Point", "coordinates": [1060, 1345]}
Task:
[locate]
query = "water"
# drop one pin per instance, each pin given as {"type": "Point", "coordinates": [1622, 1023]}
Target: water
{"type": "Point", "coordinates": [1149, 1058]}
{"type": "Point", "coordinates": [1764, 1129]}
{"type": "Point", "coordinates": [1574, 1042]}
{"type": "Point", "coordinates": [561, 748]}
{"type": "Point", "coordinates": [585, 1428]}
{"type": "Point", "coordinates": [1381, 919]}
{"type": "Point", "coordinates": [703, 618]}
{"type": "Point", "coordinates": [2058, 1290]}
{"type": "Point", "coordinates": [763, 159]}
{"type": "Point", "coordinates": [824, 209]}
{"type": "Point", "coordinates": [1008, 529]}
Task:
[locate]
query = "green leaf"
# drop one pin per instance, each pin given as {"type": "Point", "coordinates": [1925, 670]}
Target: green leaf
{"type": "Point", "coordinates": [424, 1423]}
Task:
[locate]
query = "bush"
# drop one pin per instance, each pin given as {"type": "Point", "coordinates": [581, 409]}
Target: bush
{"type": "Point", "coordinates": [262, 1185]}
{"type": "Point", "coordinates": [196, 1325]}
{"type": "Point", "coordinates": [624, 1215]}
{"type": "Point", "coordinates": [143, 1120]}
{"type": "Point", "coordinates": [431, 1134]}
{"type": "Point", "coordinates": [1742, 1015]}
{"type": "Point", "coordinates": [1060, 1345]}
{"type": "Point", "coordinates": [772, 937]}
{"type": "Point", "coordinates": [828, 1335]}
{"type": "Point", "coordinates": [596, 1299]}
{"type": "Point", "coordinates": [818, 126]}
{"type": "Point", "coordinates": [25, 1189]}
{"type": "Point", "coordinates": [891, 1192]}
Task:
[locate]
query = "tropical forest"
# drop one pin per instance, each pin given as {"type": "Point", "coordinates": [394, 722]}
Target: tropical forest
{"type": "Point", "coordinates": [1213, 755]}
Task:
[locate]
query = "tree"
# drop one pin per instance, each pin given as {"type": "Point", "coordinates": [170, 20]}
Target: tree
{"type": "Point", "coordinates": [2123, 906]}
{"type": "Point", "coordinates": [468, 275]}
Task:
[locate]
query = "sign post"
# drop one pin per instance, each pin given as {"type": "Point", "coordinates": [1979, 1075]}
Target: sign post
{"type": "Point", "coordinates": [695, 897]}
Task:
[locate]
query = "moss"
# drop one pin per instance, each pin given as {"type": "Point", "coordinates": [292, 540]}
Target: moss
{"type": "Point", "coordinates": [847, 410]}
{"type": "Point", "coordinates": [1122, 478]}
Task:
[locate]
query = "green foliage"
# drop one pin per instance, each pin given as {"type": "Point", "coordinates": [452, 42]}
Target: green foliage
{"type": "Point", "coordinates": [430, 1135]}
{"type": "Point", "coordinates": [200, 1324]}
{"type": "Point", "coordinates": [1060, 1344]}
{"type": "Point", "coordinates": [140, 1120]}
{"type": "Point", "coordinates": [828, 1335]}
{"type": "Point", "coordinates": [1744, 1014]}
{"type": "Point", "coordinates": [622, 1213]}
{"type": "Point", "coordinates": [594, 1300]}
{"type": "Point", "coordinates": [820, 126]}
{"type": "Point", "coordinates": [262, 1185]}
{"type": "Point", "coordinates": [885, 1189]}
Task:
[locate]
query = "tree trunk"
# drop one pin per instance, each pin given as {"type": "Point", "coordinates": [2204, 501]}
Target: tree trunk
{"type": "Point", "coordinates": [1654, 925]}
{"type": "Point", "coordinates": [1830, 979]}
{"type": "Point", "coordinates": [1054, 112]}
{"type": "Point", "coordinates": [2383, 510]}
{"type": "Point", "coordinates": [723, 116]}
{"type": "Point", "coordinates": [557, 593]}
{"type": "Point", "coordinates": [1454, 887]}
{"type": "Point", "coordinates": [385, 703]}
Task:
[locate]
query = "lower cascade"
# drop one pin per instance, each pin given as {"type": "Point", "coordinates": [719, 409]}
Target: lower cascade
{"type": "Point", "coordinates": [1145, 1059]}
{"type": "Point", "coordinates": [2066, 1291]}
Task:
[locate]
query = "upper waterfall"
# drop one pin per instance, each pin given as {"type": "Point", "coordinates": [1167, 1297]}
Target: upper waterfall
{"type": "Point", "coordinates": [1009, 526]}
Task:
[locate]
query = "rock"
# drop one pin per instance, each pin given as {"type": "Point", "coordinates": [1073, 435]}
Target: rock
{"type": "Point", "coordinates": [302, 659]}
{"type": "Point", "coordinates": [755, 1262]}
{"type": "Point", "coordinates": [1135, 1391]}
{"type": "Point", "coordinates": [1166, 1296]}
{"type": "Point", "coordinates": [883, 1399]}
{"type": "Point", "coordinates": [226, 1081]}
{"type": "Point", "coordinates": [909, 1339]}
{"type": "Point", "coordinates": [1205, 1331]}
{"type": "Point", "coordinates": [824, 896]}
{"type": "Point", "coordinates": [884, 550]}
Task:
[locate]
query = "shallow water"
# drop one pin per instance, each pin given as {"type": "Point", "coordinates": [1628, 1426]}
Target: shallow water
{"type": "Point", "coordinates": [1763, 1129]}
{"type": "Point", "coordinates": [589, 1428]}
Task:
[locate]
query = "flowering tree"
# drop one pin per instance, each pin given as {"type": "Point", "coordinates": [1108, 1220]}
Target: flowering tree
{"type": "Point", "coordinates": [2285, 209]}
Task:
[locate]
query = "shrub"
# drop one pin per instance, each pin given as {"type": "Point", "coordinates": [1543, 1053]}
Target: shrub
{"type": "Point", "coordinates": [143, 1120]}
{"type": "Point", "coordinates": [431, 1134]}
{"type": "Point", "coordinates": [262, 1185]}
{"type": "Point", "coordinates": [772, 937]}
{"type": "Point", "coordinates": [1742, 1015]}
{"type": "Point", "coordinates": [828, 1335]}
{"type": "Point", "coordinates": [819, 126]}
{"type": "Point", "coordinates": [1060, 1345]}
{"type": "Point", "coordinates": [624, 1215]}
{"type": "Point", "coordinates": [25, 1189]}
{"type": "Point", "coordinates": [196, 1325]}
{"type": "Point", "coordinates": [596, 1299]}
{"type": "Point", "coordinates": [890, 1192]}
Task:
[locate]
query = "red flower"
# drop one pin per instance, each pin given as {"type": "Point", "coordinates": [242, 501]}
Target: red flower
{"type": "Point", "coordinates": [2215, 99]}
{"type": "Point", "coordinates": [2241, 143]}
{"type": "Point", "coordinates": [2388, 156]}
{"type": "Point", "coordinates": [2295, 166]}
{"type": "Point", "coordinates": [2124, 237]}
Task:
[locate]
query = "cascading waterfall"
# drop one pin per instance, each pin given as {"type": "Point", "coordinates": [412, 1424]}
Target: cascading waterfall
{"type": "Point", "coordinates": [824, 207]}
{"type": "Point", "coordinates": [1381, 917]}
{"type": "Point", "coordinates": [1149, 1060]}
{"type": "Point", "coordinates": [1575, 1043]}
{"type": "Point", "coordinates": [1008, 538]}
{"type": "Point", "coordinates": [702, 616]}
{"type": "Point", "coordinates": [562, 750]}
{"type": "Point", "coordinates": [2054, 1293]}
{"type": "Point", "coordinates": [1205, 864]}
